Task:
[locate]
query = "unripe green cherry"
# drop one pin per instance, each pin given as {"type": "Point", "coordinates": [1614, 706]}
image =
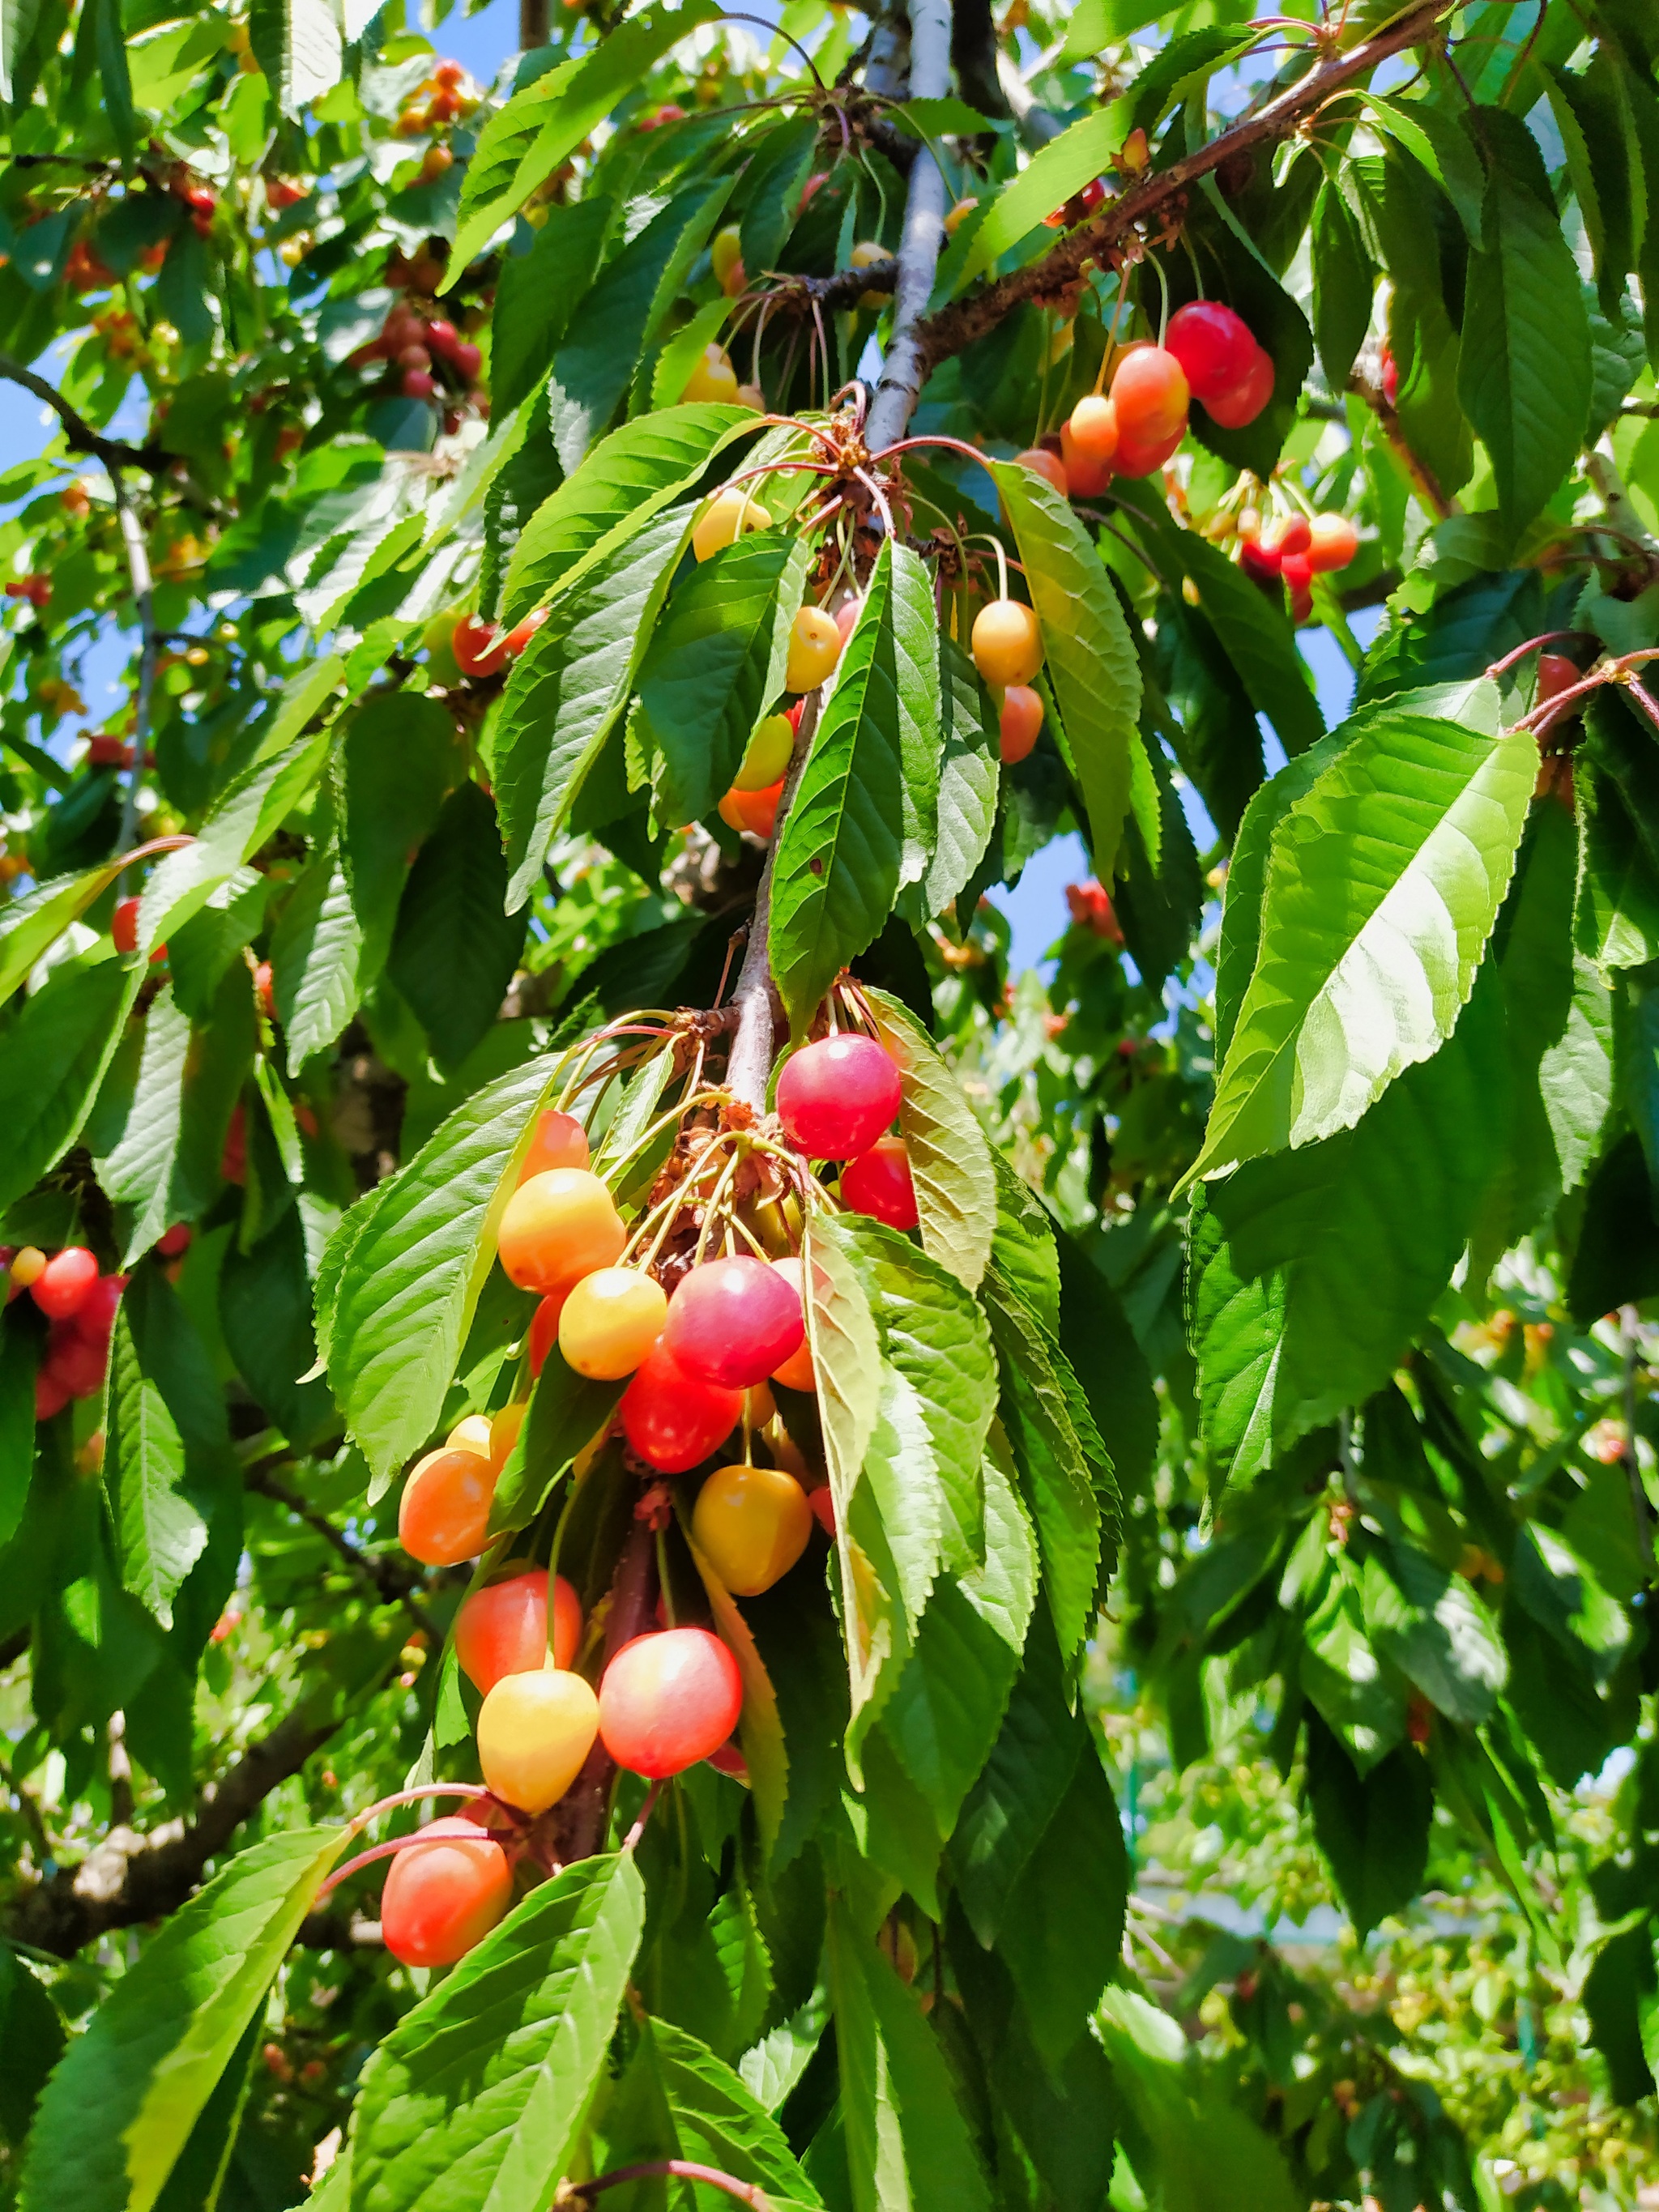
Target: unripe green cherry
{"type": "Point", "coordinates": [767, 755]}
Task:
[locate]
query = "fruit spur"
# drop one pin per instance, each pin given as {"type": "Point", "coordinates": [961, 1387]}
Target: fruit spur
{"type": "Point", "coordinates": [650, 1453]}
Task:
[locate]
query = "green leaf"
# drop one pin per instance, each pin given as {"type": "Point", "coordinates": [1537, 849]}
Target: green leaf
{"type": "Point", "coordinates": [399, 760]}
{"type": "Point", "coordinates": [1090, 656]}
{"type": "Point", "coordinates": [164, 1427]}
{"type": "Point", "coordinates": [1343, 281]}
{"type": "Point", "coordinates": [1341, 1671]}
{"type": "Point", "coordinates": [536, 295]}
{"type": "Point", "coordinates": [567, 1412]}
{"type": "Point", "coordinates": [1373, 1828]}
{"type": "Point", "coordinates": [149, 2058]}
{"type": "Point", "coordinates": [412, 1265]}
{"type": "Point", "coordinates": [1439, 141]}
{"type": "Point", "coordinates": [29, 925]}
{"type": "Point", "coordinates": [1311, 1271]}
{"type": "Point", "coordinates": [713, 2120]}
{"type": "Point", "coordinates": [853, 837]}
{"type": "Point", "coordinates": [1565, 1597]}
{"type": "Point", "coordinates": [570, 684]}
{"type": "Point", "coordinates": [1080, 154]}
{"type": "Point", "coordinates": [1257, 637]}
{"type": "Point", "coordinates": [18, 20]}
{"type": "Point", "coordinates": [908, 2143]}
{"type": "Point", "coordinates": [31, 2043]}
{"type": "Point", "coordinates": [760, 1731]}
{"type": "Point", "coordinates": [949, 1158]}
{"type": "Point", "coordinates": [1524, 370]}
{"type": "Point", "coordinates": [1382, 886]}
{"type": "Point", "coordinates": [1428, 1622]}
{"type": "Point", "coordinates": [166, 1162]}
{"type": "Point", "coordinates": [714, 665]}
{"type": "Point", "coordinates": [297, 43]}
{"type": "Point", "coordinates": [316, 959]}
{"type": "Point", "coordinates": [970, 777]}
{"type": "Point", "coordinates": [1023, 1785]}
{"type": "Point", "coordinates": [521, 145]}
{"type": "Point", "coordinates": [944, 1714]}
{"type": "Point", "coordinates": [456, 945]}
{"type": "Point", "coordinates": [53, 1056]}
{"type": "Point", "coordinates": [847, 1363]}
{"type": "Point", "coordinates": [777, 172]}
{"type": "Point", "coordinates": [1057, 1485]}
{"type": "Point", "coordinates": [476, 2097]}
{"type": "Point", "coordinates": [18, 1348]}
{"type": "Point", "coordinates": [623, 481]}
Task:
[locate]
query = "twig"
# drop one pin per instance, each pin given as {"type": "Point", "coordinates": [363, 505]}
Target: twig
{"type": "Point", "coordinates": [905, 368]}
{"type": "Point", "coordinates": [573, 2193]}
{"type": "Point", "coordinates": [137, 553]}
{"type": "Point", "coordinates": [1423, 479]}
{"type": "Point", "coordinates": [79, 435]}
{"type": "Point", "coordinates": [392, 1581]}
{"type": "Point", "coordinates": [750, 1063]}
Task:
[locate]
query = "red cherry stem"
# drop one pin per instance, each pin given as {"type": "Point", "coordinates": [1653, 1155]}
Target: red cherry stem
{"type": "Point", "coordinates": [1532, 645]}
{"type": "Point", "coordinates": [678, 2169]}
{"type": "Point", "coordinates": [655, 1791]}
{"type": "Point", "coordinates": [1621, 671]}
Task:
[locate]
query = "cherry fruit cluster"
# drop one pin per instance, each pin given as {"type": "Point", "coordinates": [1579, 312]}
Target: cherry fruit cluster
{"type": "Point", "coordinates": [80, 1304]}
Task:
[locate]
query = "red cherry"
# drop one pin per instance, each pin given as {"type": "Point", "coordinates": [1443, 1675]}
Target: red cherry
{"type": "Point", "coordinates": [1136, 458]}
{"type": "Point", "coordinates": [172, 1241]}
{"type": "Point", "coordinates": [836, 1098]}
{"type": "Point", "coordinates": [668, 113]}
{"type": "Point", "coordinates": [478, 646]}
{"type": "Point", "coordinates": [449, 77]}
{"type": "Point", "coordinates": [1149, 391]}
{"type": "Point", "coordinates": [1213, 345]}
{"type": "Point", "coordinates": [107, 751]}
{"type": "Point", "coordinates": [95, 1317]}
{"type": "Point", "coordinates": [674, 1419]}
{"type": "Point", "coordinates": [418, 384]}
{"type": "Point", "coordinates": [61, 1287]}
{"type": "Point", "coordinates": [467, 359]}
{"type": "Point", "coordinates": [1556, 674]}
{"type": "Point", "coordinates": [732, 1321]}
{"type": "Point", "coordinates": [517, 639]}
{"type": "Point", "coordinates": [75, 1362]}
{"type": "Point", "coordinates": [1019, 724]}
{"type": "Point", "coordinates": [1042, 462]}
{"type": "Point", "coordinates": [1334, 542]}
{"type": "Point", "coordinates": [878, 1183]}
{"type": "Point", "coordinates": [1261, 564]}
{"type": "Point", "coordinates": [445, 1894]}
{"type": "Point", "coordinates": [1390, 371]}
{"type": "Point", "coordinates": [233, 1161]}
{"type": "Point", "coordinates": [1233, 410]}
{"type": "Point", "coordinates": [543, 1331]}
{"type": "Point", "coordinates": [1293, 535]}
{"type": "Point", "coordinates": [265, 991]}
{"type": "Point", "coordinates": [1296, 570]}
{"type": "Point", "coordinates": [414, 356]}
{"type": "Point", "coordinates": [52, 1392]}
{"type": "Point", "coordinates": [502, 1628]}
{"type": "Point", "coordinates": [443, 337]}
{"type": "Point", "coordinates": [669, 1699]}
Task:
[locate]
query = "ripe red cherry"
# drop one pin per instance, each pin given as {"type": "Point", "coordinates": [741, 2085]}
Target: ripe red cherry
{"type": "Point", "coordinates": [52, 1391]}
{"type": "Point", "coordinates": [124, 929]}
{"type": "Point", "coordinates": [445, 1894]}
{"type": "Point", "coordinates": [1138, 458]}
{"type": "Point", "coordinates": [502, 1628]}
{"type": "Point", "coordinates": [1085, 478]}
{"type": "Point", "coordinates": [478, 646]}
{"type": "Point", "coordinates": [797, 1372]}
{"type": "Point", "coordinates": [1213, 346]}
{"type": "Point", "coordinates": [1556, 674]}
{"type": "Point", "coordinates": [836, 1098]}
{"type": "Point", "coordinates": [61, 1287]}
{"type": "Point", "coordinates": [95, 1317]}
{"type": "Point", "coordinates": [1296, 570]}
{"type": "Point", "coordinates": [75, 1362]}
{"type": "Point", "coordinates": [878, 1183]}
{"type": "Point", "coordinates": [174, 1241]}
{"type": "Point", "coordinates": [1292, 535]}
{"type": "Point", "coordinates": [733, 1321]}
{"type": "Point", "coordinates": [419, 383]}
{"type": "Point", "coordinates": [1261, 564]}
{"type": "Point", "coordinates": [1333, 542]}
{"type": "Point", "coordinates": [1093, 426]}
{"type": "Point", "coordinates": [1232, 410]}
{"type": "Point", "coordinates": [522, 634]}
{"type": "Point", "coordinates": [673, 1420]}
{"type": "Point", "coordinates": [1019, 724]}
{"type": "Point", "coordinates": [1042, 463]}
{"type": "Point", "coordinates": [668, 1700]}
{"type": "Point", "coordinates": [1149, 391]}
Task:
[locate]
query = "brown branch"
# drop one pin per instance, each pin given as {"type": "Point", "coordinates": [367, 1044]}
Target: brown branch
{"type": "Point", "coordinates": [578, 1822]}
{"type": "Point", "coordinates": [79, 435]}
{"type": "Point", "coordinates": [132, 1877]}
{"type": "Point", "coordinates": [392, 1580]}
{"type": "Point", "coordinates": [957, 326]}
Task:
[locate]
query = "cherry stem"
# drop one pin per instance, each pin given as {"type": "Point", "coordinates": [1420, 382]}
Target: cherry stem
{"type": "Point", "coordinates": [1532, 645]}
{"type": "Point", "coordinates": [655, 1791]}
{"type": "Point", "coordinates": [675, 2169]}
{"type": "Point", "coordinates": [1164, 286]}
{"type": "Point", "coordinates": [361, 1820]}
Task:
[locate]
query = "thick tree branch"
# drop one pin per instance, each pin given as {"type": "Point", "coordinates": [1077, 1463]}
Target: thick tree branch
{"type": "Point", "coordinates": [131, 1878]}
{"type": "Point", "coordinates": [750, 1065]}
{"type": "Point", "coordinates": [137, 552]}
{"type": "Point", "coordinates": [1037, 124]}
{"type": "Point", "coordinates": [905, 367]}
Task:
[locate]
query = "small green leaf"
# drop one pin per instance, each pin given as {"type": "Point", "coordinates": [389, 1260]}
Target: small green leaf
{"type": "Point", "coordinates": [149, 2058]}
{"type": "Point", "coordinates": [1091, 657]}
{"type": "Point", "coordinates": [1343, 282]}
{"type": "Point", "coordinates": [476, 2097]}
{"type": "Point", "coordinates": [31, 924]}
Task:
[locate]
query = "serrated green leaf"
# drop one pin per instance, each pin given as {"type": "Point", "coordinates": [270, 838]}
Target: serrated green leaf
{"type": "Point", "coordinates": [536, 295]}
{"type": "Point", "coordinates": [17, 1366]}
{"type": "Point", "coordinates": [1566, 1596]}
{"type": "Point", "coordinates": [1372, 1825]}
{"type": "Point", "coordinates": [521, 145]}
{"type": "Point", "coordinates": [411, 1268]}
{"type": "Point", "coordinates": [476, 2097]}
{"type": "Point", "coordinates": [1311, 1271]}
{"type": "Point", "coordinates": [1023, 1783]}
{"type": "Point", "coordinates": [846, 1360]}
{"type": "Point", "coordinates": [399, 760]}
{"type": "Point", "coordinates": [1061, 1931]}
{"type": "Point", "coordinates": [316, 957]}
{"type": "Point", "coordinates": [1082, 153]}
{"type": "Point", "coordinates": [153, 2051]}
{"type": "Point", "coordinates": [1382, 886]}
{"type": "Point", "coordinates": [456, 945]}
{"type": "Point", "coordinates": [31, 924]}
{"type": "Point", "coordinates": [908, 2142]}
{"type": "Point", "coordinates": [1090, 658]}
{"type": "Point", "coordinates": [715, 2119]}
{"type": "Point", "coordinates": [1525, 376]}
{"type": "Point", "coordinates": [570, 684]}
{"type": "Point", "coordinates": [163, 1419]}
{"type": "Point", "coordinates": [949, 1158]}
{"type": "Point", "coordinates": [1364, 1704]}
{"type": "Point", "coordinates": [714, 667]}
{"type": "Point", "coordinates": [1257, 638]}
{"type": "Point", "coordinates": [53, 1056]}
{"type": "Point", "coordinates": [765, 1752]}
{"type": "Point", "coordinates": [970, 777]}
{"type": "Point", "coordinates": [1343, 282]}
{"type": "Point", "coordinates": [855, 832]}
{"type": "Point", "coordinates": [298, 46]}
{"type": "Point", "coordinates": [623, 481]}
{"type": "Point", "coordinates": [1428, 1622]}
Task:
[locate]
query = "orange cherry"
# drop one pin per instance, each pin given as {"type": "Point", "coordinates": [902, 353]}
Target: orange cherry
{"type": "Point", "coordinates": [1020, 723]}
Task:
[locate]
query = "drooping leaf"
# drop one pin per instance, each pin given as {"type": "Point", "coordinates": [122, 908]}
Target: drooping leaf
{"type": "Point", "coordinates": [411, 1266]}
{"type": "Point", "coordinates": [1373, 1828]}
{"type": "Point", "coordinates": [475, 2099]}
{"type": "Point", "coordinates": [456, 945]}
{"type": "Point", "coordinates": [950, 1158]}
{"type": "Point", "coordinates": [1343, 281]}
{"type": "Point", "coordinates": [18, 1347]}
{"type": "Point", "coordinates": [153, 2050]}
{"type": "Point", "coordinates": [852, 837]}
{"type": "Point", "coordinates": [1090, 657]}
{"type": "Point", "coordinates": [316, 959]}
{"type": "Point", "coordinates": [969, 778]}
{"type": "Point", "coordinates": [53, 1055]}
{"type": "Point", "coordinates": [298, 46]}
{"type": "Point", "coordinates": [399, 760]}
{"type": "Point", "coordinates": [1382, 886]}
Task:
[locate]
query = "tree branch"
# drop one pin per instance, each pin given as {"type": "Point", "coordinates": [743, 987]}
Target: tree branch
{"type": "Point", "coordinates": [1037, 125]}
{"type": "Point", "coordinates": [129, 1877]}
{"type": "Point", "coordinates": [79, 433]}
{"type": "Point", "coordinates": [956, 327]}
{"type": "Point", "coordinates": [905, 367]}
{"type": "Point", "coordinates": [1423, 480]}
{"type": "Point", "coordinates": [137, 553]}
{"type": "Point", "coordinates": [392, 1581]}
{"type": "Point", "coordinates": [748, 1066]}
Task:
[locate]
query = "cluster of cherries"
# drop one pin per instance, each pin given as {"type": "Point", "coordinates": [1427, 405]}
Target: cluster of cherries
{"type": "Point", "coordinates": [433, 359]}
{"type": "Point", "coordinates": [36, 589]}
{"type": "Point", "coordinates": [80, 1304]}
{"type": "Point", "coordinates": [1294, 550]}
{"type": "Point", "coordinates": [698, 1365]}
{"type": "Point", "coordinates": [445, 97]}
